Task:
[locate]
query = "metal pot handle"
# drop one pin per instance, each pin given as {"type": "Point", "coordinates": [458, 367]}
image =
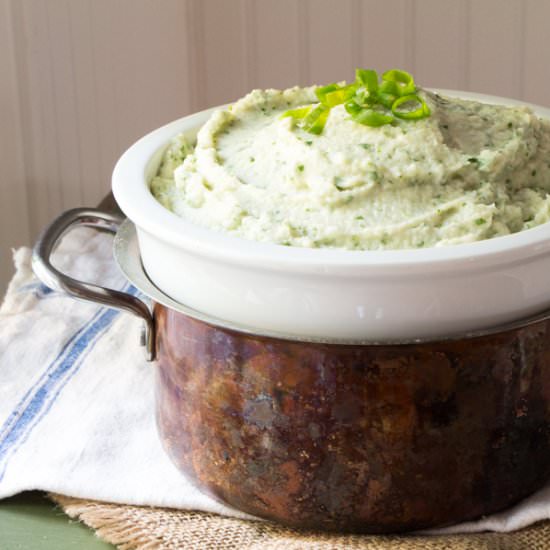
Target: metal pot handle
{"type": "Point", "coordinates": [51, 277]}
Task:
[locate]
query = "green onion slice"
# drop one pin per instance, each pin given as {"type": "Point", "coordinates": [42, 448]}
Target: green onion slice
{"type": "Point", "coordinates": [311, 119]}
{"type": "Point", "coordinates": [366, 100]}
{"type": "Point", "coordinates": [352, 107]}
{"type": "Point", "coordinates": [403, 79]}
{"type": "Point", "coordinates": [367, 78]}
{"type": "Point", "coordinates": [315, 121]}
{"type": "Point", "coordinates": [341, 95]}
{"type": "Point", "coordinates": [298, 113]}
{"type": "Point", "coordinates": [421, 111]}
{"type": "Point", "coordinates": [386, 99]}
{"type": "Point", "coordinates": [322, 91]}
{"type": "Point", "coordinates": [370, 117]}
{"type": "Point", "coordinates": [391, 88]}
{"type": "Point", "coordinates": [364, 97]}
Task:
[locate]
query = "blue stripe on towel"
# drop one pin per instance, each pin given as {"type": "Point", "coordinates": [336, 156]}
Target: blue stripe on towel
{"type": "Point", "coordinates": [39, 289]}
{"type": "Point", "coordinates": [23, 403]}
{"type": "Point", "coordinates": [41, 396]}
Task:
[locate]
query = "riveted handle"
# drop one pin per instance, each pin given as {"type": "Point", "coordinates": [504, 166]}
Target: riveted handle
{"type": "Point", "coordinates": [53, 278]}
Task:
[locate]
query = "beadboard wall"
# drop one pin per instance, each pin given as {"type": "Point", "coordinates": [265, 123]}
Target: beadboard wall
{"type": "Point", "coordinates": [82, 79]}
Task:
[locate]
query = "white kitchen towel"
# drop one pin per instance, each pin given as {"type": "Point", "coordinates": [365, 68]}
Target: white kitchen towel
{"type": "Point", "coordinates": [76, 398]}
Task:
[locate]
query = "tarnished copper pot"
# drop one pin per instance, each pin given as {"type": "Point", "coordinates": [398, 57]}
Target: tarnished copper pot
{"type": "Point", "coordinates": [373, 438]}
{"type": "Point", "coordinates": [362, 436]}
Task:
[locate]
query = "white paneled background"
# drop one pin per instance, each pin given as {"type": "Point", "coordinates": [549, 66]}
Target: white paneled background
{"type": "Point", "coordinates": [80, 80]}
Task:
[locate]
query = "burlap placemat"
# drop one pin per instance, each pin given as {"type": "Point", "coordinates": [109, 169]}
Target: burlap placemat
{"type": "Point", "coordinates": [140, 528]}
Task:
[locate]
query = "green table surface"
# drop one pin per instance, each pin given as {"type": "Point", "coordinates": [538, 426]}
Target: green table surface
{"type": "Point", "coordinates": [30, 521]}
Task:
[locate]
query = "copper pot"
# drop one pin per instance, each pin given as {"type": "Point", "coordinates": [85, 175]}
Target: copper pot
{"type": "Point", "coordinates": [373, 438]}
{"type": "Point", "coordinates": [365, 437]}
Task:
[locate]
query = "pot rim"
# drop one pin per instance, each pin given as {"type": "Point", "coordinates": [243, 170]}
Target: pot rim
{"type": "Point", "coordinates": [138, 164]}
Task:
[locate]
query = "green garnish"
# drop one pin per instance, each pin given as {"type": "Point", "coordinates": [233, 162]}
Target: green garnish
{"type": "Point", "coordinates": [312, 118]}
{"type": "Point", "coordinates": [480, 221]}
{"type": "Point", "coordinates": [323, 91]}
{"type": "Point", "coordinates": [421, 111]}
{"type": "Point", "coordinates": [298, 113]}
{"type": "Point", "coordinates": [370, 117]}
{"type": "Point", "coordinates": [367, 78]}
{"type": "Point", "coordinates": [353, 108]}
{"type": "Point", "coordinates": [333, 94]}
{"type": "Point", "coordinates": [314, 121]}
{"type": "Point", "coordinates": [368, 101]}
{"type": "Point", "coordinates": [403, 80]}
{"type": "Point", "coordinates": [386, 99]}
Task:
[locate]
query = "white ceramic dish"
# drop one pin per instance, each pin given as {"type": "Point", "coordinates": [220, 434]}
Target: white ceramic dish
{"type": "Point", "coordinates": [323, 293]}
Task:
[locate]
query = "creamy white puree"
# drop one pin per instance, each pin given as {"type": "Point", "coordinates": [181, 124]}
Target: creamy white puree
{"type": "Point", "coordinates": [468, 172]}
